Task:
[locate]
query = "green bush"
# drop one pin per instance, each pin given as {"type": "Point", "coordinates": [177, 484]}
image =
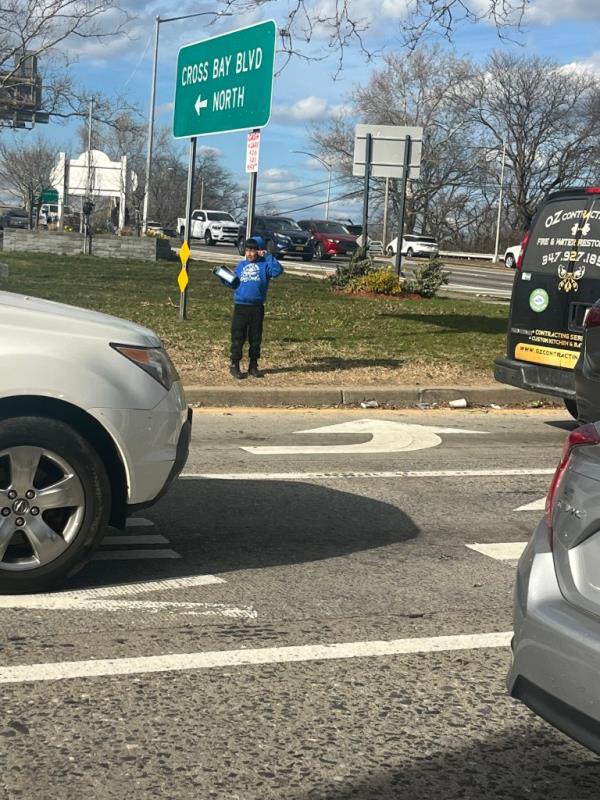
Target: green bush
{"type": "Point", "coordinates": [382, 281]}
{"type": "Point", "coordinates": [359, 264]}
{"type": "Point", "coordinates": [428, 279]}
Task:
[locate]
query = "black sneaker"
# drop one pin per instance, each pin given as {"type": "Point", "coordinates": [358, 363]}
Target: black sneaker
{"type": "Point", "coordinates": [253, 370]}
{"type": "Point", "coordinates": [234, 371]}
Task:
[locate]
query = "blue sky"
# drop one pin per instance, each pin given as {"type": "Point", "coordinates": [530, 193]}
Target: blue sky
{"type": "Point", "coordinates": [305, 92]}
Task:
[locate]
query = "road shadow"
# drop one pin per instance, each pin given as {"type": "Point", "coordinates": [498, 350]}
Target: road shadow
{"type": "Point", "coordinates": [537, 764]}
{"type": "Point", "coordinates": [218, 526]}
{"type": "Point", "coordinates": [333, 363]}
{"type": "Point", "coordinates": [454, 322]}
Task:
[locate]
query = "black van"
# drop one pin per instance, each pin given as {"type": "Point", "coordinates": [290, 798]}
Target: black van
{"type": "Point", "coordinates": [557, 279]}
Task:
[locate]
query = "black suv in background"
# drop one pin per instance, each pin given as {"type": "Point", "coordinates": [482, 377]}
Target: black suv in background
{"type": "Point", "coordinates": [283, 237]}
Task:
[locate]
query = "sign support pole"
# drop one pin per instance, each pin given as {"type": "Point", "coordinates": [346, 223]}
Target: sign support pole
{"type": "Point", "coordinates": [399, 262]}
{"type": "Point", "coordinates": [188, 221]}
{"type": "Point", "coordinates": [368, 151]}
{"type": "Point", "coordinates": [251, 199]}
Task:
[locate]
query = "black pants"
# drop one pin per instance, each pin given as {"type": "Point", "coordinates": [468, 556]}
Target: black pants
{"type": "Point", "coordinates": [246, 323]}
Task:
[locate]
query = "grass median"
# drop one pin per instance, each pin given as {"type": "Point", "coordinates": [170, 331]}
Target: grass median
{"type": "Point", "coordinates": [312, 336]}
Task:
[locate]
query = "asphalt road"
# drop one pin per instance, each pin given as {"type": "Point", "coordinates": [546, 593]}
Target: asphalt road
{"type": "Point", "coordinates": [255, 668]}
{"type": "Point", "coordinates": [478, 279]}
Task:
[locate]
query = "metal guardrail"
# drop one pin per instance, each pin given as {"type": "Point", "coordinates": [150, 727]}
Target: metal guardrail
{"type": "Point", "coordinates": [479, 256]}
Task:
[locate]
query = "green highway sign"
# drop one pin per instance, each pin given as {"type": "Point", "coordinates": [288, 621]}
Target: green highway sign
{"type": "Point", "coordinates": [225, 83]}
{"type": "Point", "coordinates": [49, 196]}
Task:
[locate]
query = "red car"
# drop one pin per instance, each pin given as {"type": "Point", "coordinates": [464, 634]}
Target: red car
{"type": "Point", "coordinates": [329, 238]}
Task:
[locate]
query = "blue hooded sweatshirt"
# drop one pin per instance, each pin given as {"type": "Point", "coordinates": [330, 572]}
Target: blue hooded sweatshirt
{"type": "Point", "coordinates": [254, 278]}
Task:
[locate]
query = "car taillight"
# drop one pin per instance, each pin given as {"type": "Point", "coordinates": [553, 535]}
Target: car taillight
{"type": "Point", "coordinates": [592, 317]}
{"type": "Point", "coordinates": [593, 190]}
{"type": "Point", "coordinates": [586, 434]}
{"type": "Point", "coordinates": [524, 241]}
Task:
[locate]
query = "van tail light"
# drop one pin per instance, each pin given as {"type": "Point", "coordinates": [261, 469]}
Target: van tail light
{"type": "Point", "coordinates": [524, 241]}
{"type": "Point", "coordinates": [592, 317]}
{"type": "Point", "coordinates": [585, 435]}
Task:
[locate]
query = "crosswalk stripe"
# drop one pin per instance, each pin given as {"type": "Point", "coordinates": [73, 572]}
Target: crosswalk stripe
{"type": "Point", "coordinates": [139, 522]}
{"type": "Point", "coordinates": [137, 539]}
{"type": "Point", "coordinates": [127, 555]}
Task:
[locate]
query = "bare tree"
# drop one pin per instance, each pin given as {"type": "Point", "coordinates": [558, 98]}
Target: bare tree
{"type": "Point", "coordinates": [30, 29]}
{"type": "Point", "coordinates": [25, 167]}
{"type": "Point", "coordinates": [345, 23]}
{"type": "Point", "coordinates": [415, 89]}
{"type": "Point", "coordinates": [169, 182]}
{"type": "Point", "coordinates": [547, 115]}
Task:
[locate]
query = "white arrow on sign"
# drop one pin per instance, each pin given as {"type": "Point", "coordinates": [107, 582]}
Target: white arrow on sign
{"type": "Point", "coordinates": [200, 103]}
{"type": "Point", "coordinates": [386, 437]}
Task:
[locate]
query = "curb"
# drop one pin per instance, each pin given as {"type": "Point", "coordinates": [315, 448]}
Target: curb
{"type": "Point", "coordinates": [352, 396]}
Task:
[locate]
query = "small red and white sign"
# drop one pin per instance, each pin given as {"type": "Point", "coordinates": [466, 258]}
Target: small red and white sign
{"type": "Point", "coordinates": [252, 151]}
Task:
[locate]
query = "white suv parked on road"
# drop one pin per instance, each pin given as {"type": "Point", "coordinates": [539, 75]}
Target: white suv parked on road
{"type": "Point", "coordinates": [93, 425]}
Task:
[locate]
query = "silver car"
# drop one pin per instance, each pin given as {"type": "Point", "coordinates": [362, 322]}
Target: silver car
{"type": "Point", "coordinates": [556, 645]}
{"type": "Point", "coordinates": [93, 425]}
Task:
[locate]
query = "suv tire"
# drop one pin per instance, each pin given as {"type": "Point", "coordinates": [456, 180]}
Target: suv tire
{"type": "Point", "coordinates": [509, 261]}
{"type": "Point", "coordinates": [63, 494]}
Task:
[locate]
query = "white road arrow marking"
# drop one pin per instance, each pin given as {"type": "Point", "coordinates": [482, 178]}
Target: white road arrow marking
{"type": "Point", "coordinates": [536, 505]}
{"type": "Point", "coordinates": [500, 551]}
{"type": "Point", "coordinates": [200, 103]}
{"type": "Point", "coordinates": [386, 437]}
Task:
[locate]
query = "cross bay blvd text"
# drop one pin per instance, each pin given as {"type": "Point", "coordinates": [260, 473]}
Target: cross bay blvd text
{"type": "Point", "coordinates": [245, 61]}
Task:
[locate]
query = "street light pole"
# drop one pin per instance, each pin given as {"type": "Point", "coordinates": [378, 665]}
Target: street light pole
{"type": "Point", "coordinates": [329, 168]}
{"type": "Point", "coordinates": [158, 23]}
{"type": "Point", "coordinates": [150, 127]}
{"type": "Point", "coordinates": [500, 201]}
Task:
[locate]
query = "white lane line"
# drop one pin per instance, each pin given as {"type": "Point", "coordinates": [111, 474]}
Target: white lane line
{"type": "Point", "coordinates": [137, 539]}
{"type": "Point", "coordinates": [139, 522]}
{"type": "Point", "coordinates": [177, 662]}
{"type": "Point", "coordinates": [536, 505]}
{"type": "Point", "coordinates": [129, 555]}
{"type": "Point", "coordinates": [299, 476]}
{"type": "Point", "coordinates": [500, 551]}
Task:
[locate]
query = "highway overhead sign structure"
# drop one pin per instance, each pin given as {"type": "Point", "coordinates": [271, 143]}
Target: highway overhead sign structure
{"type": "Point", "coordinates": [225, 83]}
{"type": "Point", "coordinates": [387, 154]}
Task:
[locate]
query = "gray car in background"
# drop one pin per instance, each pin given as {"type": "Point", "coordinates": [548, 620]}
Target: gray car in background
{"type": "Point", "coordinates": [556, 644]}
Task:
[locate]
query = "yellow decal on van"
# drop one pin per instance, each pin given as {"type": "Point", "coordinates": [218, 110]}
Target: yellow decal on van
{"type": "Point", "coordinates": [546, 355]}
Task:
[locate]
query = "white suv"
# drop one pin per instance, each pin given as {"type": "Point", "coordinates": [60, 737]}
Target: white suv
{"type": "Point", "coordinates": [93, 425]}
{"type": "Point", "coordinates": [414, 244]}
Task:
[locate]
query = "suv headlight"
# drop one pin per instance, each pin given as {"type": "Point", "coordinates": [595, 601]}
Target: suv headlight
{"type": "Point", "coordinates": [282, 237]}
{"type": "Point", "coordinates": [153, 360]}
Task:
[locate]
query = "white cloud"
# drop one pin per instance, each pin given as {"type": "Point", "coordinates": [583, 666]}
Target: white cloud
{"type": "Point", "coordinates": [276, 174]}
{"type": "Point", "coordinates": [590, 66]}
{"type": "Point", "coordinates": [548, 12]}
{"type": "Point", "coordinates": [309, 109]}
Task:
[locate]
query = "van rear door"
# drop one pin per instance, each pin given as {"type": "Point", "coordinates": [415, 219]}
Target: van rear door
{"type": "Point", "coordinates": [558, 281]}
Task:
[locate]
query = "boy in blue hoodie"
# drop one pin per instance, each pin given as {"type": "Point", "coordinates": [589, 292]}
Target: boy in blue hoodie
{"type": "Point", "coordinates": [254, 272]}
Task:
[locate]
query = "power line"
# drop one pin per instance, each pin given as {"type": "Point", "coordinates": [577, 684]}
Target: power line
{"type": "Point", "coordinates": [294, 191]}
{"type": "Point", "coordinates": [324, 202]}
